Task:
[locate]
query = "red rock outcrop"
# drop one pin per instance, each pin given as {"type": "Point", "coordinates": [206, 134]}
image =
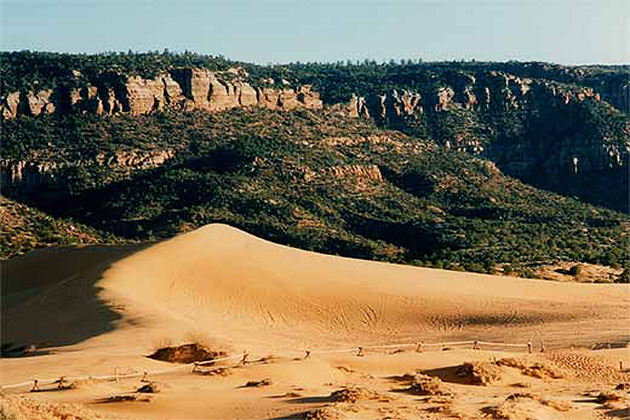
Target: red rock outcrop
{"type": "Point", "coordinates": [9, 106]}
{"type": "Point", "coordinates": [32, 174]}
{"type": "Point", "coordinates": [181, 89]}
{"type": "Point", "coordinates": [443, 98]}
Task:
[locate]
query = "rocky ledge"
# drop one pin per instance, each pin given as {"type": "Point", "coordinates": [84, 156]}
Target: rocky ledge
{"type": "Point", "coordinates": [181, 89]}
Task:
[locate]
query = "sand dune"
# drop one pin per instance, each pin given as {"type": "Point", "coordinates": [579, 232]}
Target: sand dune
{"type": "Point", "coordinates": [229, 285]}
{"type": "Point", "coordinates": [99, 307]}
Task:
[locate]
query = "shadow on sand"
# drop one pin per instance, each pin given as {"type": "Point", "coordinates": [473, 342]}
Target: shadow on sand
{"type": "Point", "coordinates": [50, 297]}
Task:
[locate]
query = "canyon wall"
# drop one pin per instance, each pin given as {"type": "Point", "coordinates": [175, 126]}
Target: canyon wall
{"type": "Point", "coordinates": [181, 89]}
{"type": "Point", "coordinates": [32, 176]}
{"type": "Point", "coordinates": [557, 136]}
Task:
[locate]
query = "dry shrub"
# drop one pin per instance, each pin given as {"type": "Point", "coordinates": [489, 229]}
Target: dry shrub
{"type": "Point", "coordinates": [516, 407]}
{"type": "Point", "coordinates": [503, 412]}
{"type": "Point", "coordinates": [150, 388]}
{"type": "Point", "coordinates": [609, 396]}
{"type": "Point", "coordinates": [624, 386]}
{"type": "Point", "coordinates": [540, 370]}
{"type": "Point", "coordinates": [479, 373]}
{"type": "Point", "coordinates": [428, 385]}
{"type": "Point", "coordinates": [355, 394]}
{"type": "Point", "coordinates": [122, 398]}
{"type": "Point", "coordinates": [521, 395]}
{"type": "Point", "coordinates": [326, 413]}
{"type": "Point", "coordinates": [186, 353]}
{"type": "Point", "coordinates": [258, 384]}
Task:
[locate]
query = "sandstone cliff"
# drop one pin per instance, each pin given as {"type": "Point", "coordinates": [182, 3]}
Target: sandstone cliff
{"type": "Point", "coordinates": [492, 90]}
{"type": "Point", "coordinates": [358, 173]}
{"type": "Point", "coordinates": [550, 134]}
{"type": "Point", "coordinates": [182, 89]}
{"type": "Point", "coordinates": [36, 174]}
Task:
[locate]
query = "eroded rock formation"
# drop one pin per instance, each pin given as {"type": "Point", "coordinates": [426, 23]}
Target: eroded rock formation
{"type": "Point", "coordinates": [30, 175]}
{"type": "Point", "coordinates": [547, 133]}
{"type": "Point", "coordinates": [182, 89]}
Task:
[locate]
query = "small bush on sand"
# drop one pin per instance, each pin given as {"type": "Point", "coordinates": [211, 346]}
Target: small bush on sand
{"type": "Point", "coordinates": [186, 353]}
{"type": "Point", "coordinates": [354, 394]}
{"type": "Point", "coordinates": [516, 407]}
{"type": "Point", "coordinates": [609, 396]}
{"type": "Point", "coordinates": [121, 398]}
{"type": "Point", "coordinates": [258, 384]}
{"type": "Point", "coordinates": [428, 385]}
{"type": "Point", "coordinates": [150, 388]}
{"type": "Point", "coordinates": [479, 373]}
{"type": "Point", "coordinates": [326, 413]}
{"type": "Point", "coordinates": [624, 386]}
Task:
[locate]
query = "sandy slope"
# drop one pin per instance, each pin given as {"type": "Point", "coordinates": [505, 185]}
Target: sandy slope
{"type": "Point", "coordinates": [101, 307]}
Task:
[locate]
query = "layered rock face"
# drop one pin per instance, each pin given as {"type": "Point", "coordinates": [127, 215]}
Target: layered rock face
{"type": "Point", "coordinates": [359, 174]}
{"type": "Point", "coordinates": [553, 135]}
{"type": "Point", "coordinates": [494, 90]}
{"type": "Point", "coordinates": [32, 175]}
{"type": "Point", "coordinates": [182, 89]}
{"type": "Point", "coordinates": [384, 107]}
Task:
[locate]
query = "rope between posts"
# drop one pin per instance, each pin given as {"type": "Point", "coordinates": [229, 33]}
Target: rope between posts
{"type": "Point", "coordinates": [487, 343]}
{"type": "Point", "coordinates": [119, 376]}
{"type": "Point", "coordinates": [244, 357]}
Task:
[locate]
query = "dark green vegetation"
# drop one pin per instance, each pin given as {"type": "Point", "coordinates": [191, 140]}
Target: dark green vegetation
{"type": "Point", "coordinates": [530, 119]}
{"type": "Point", "coordinates": [392, 188]}
{"type": "Point", "coordinates": [315, 180]}
{"type": "Point", "coordinates": [338, 81]}
{"type": "Point", "coordinates": [27, 70]}
{"type": "Point", "coordinates": [24, 229]}
{"type": "Point", "coordinates": [532, 137]}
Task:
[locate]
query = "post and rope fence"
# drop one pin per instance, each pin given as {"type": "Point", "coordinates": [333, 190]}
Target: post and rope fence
{"type": "Point", "coordinates": [244, 359]}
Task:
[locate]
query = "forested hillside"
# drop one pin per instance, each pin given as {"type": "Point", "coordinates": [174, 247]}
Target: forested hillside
{"type": "Point", "coordinates": [488, 167]}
